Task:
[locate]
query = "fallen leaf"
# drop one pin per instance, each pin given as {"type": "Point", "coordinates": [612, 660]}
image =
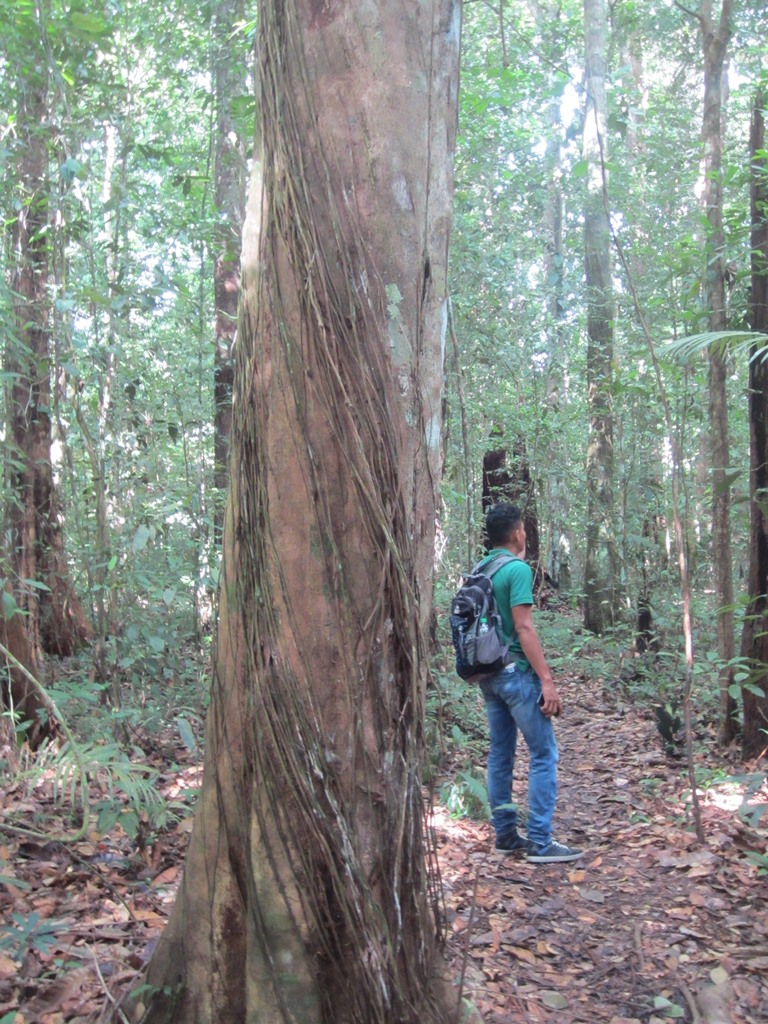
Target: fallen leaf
{"type": "Point", "coordinates": [554, 1000]}
{"type": "Point", "coordinates": [152, 915]}
{"type": "Point", "coordinates": [718, 975]}
{"type": "Point", "coordinates": [593, 895]}
{"type": "Point", "coordinates": [8, 968]}
{"type": "Point", "coordinates": [63, 990]}
{"type": "Point", "coordinates": [700, 871]}
{"type": "Point", "coordinates": [521, 954]}
{"type": "Point", "coordinates": [166, 877]}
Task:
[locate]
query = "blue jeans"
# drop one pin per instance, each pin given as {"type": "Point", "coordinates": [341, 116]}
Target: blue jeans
{"type": "Point", "coordinates": [511, 702]}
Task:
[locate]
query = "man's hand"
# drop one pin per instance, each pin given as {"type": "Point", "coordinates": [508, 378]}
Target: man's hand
{"type": "Point", "coordinates": [550, 703]}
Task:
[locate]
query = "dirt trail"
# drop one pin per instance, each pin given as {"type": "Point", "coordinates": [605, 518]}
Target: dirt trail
{"type": "Point", "coordinates": [648, 927]}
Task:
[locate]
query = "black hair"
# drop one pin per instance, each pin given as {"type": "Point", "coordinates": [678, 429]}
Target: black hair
{"type": "Point", "coordinates": [500, 522]}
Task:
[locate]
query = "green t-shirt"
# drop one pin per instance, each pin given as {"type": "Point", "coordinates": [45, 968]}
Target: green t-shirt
{"type": "Point", "coordinates": [512, 585]}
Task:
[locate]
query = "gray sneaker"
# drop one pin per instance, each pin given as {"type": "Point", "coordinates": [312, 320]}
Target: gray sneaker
{"type": "Point", "coordinates": [555, 853]}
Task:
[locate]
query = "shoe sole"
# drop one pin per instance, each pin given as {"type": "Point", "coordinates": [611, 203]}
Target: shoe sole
{"type": "Point", "coordinates": [554, 859]}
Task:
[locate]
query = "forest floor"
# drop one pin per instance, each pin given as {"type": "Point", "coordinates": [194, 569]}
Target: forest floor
{"type": "Point", "coordinates": [649, 926]}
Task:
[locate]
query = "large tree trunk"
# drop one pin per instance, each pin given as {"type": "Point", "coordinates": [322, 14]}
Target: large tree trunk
{"type": "Point", "coordinates": [754, 638]}
{"type": "Point", "coordinates": [715, 40]}
{"type": "Point", "coordinates": [507, 477]}
{"type": "Point", "coordinates": [53, 616]}
{"type": "Point", "coordinates": [18, 693]}
{"type": "Point", "coordinates": [307, 894]}
{"type": "Point", "coordinates": [229, 205]}
{"type": "Point", "coordinates": [601, 571]}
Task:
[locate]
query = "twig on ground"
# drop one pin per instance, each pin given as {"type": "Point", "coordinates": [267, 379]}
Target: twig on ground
{"type": "Point", "coordinates": [692, 1005]}
{"type": "Point", "coordinates": [638, 936]}
{"type": "Point", "coordinates": [465, 957]}
{"type": "Point", "coordinates": [106, 991]}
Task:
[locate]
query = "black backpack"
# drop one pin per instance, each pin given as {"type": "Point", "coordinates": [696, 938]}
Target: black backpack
{"type": "Point", "coordinates": [476, 623]}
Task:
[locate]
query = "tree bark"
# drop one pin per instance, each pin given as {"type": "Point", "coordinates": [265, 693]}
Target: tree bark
{"type": "Point", "coordinates": [307, 892]}
{"type": "Point", "coordinates": [53, 616]}
{"type": "Point", "coordinates": [548, 19]}
{"type": "Point", "coordinates": [508, 478]}
{"type": "Point", "coordinates": [715, 41]}
{"type": "Point", "coordinates": [18, 694]}
{"type": "Point", "coordinates": [754, 637]}
{"type": "Point", "coordinates": [601, 575]}
{"type": "Point", "coordinates": [229, 207]}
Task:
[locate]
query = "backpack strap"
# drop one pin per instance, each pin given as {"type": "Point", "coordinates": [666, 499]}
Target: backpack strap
{"type": "Point", "coordinates": [491, 566]}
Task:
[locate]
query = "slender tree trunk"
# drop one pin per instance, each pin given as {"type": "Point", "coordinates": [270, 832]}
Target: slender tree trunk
{"type": "Point", "coordinates": [466, 459]}
{"type": "Point", "coordinates": [548, 21]}
{"type": "Point", "coordinates": [754, 637]}
{"type": "Point", "coordinates": [229, 209]}
{"type": "Point", "coordinates": [715, 40]}
{"type": "Point", "coordinates": [307, 894]}
{"type": "Point", "coordinates": [53, 617]}
{"type": "Point", "coordinates": [601, 575]}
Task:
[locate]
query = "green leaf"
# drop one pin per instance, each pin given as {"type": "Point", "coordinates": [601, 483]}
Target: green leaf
{"type": "Point", "coordinates": [140, 538]}
{"type": "Point", "coordinates": [9, 605]}
{"type": "Point", "coordinates": [580, 168]}
{"type": "Point", "coordinates": [89, 24]}
{"type": "Point", "coordinates": [36, 585]}
{"type": "Point", "coordinates": [17, 883]}
{"type": "Point", "coordinates": [72, 169]}
{"type": "Point", "coordinates": [667, 1007]}
{"type": "Point", "coordinates": [129, 822]}
{"type": "Point", "coordinates": [157, 644]}
{"type": "Point", "coordinates": [185, 731]}
{"type": "Point", "coordinates": [108, 817]}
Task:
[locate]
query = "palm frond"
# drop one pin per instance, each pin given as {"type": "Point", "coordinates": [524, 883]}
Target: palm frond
{"type": "Point", "coordinates": [736, 342]}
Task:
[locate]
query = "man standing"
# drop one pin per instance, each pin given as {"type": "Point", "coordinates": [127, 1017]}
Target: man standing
{"type": "Point", "coordinates": [521, 696]}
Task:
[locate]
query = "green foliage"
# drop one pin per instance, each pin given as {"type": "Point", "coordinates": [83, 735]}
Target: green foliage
{"type": "Point", "coordinates": [102, 780]}
{"type": "Point", "coordinates": [456, 736]}
{"type": "Point", "coordinates": [667, 1008]}
{"type": "Point", "coordinates": [466, 796]}
{"type": "Point", "coordinates": [740, 343]}
{"type": "Point", "coordinates": [23, 934]}
{"type": "Point", "coordinates": [130, 176]}
{"type": "Point", "coordinates": [518, 295]}
{"type": "Point", "coordinates": [130, 787]}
